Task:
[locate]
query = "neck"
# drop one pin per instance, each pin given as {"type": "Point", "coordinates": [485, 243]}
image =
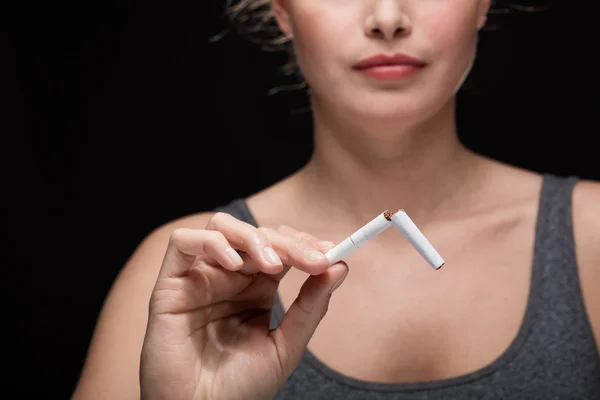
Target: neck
{"type": "Point", "coordinates": [357, 172]}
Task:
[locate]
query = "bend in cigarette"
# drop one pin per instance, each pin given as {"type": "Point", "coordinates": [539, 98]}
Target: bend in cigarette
{"type": "Point", "coordinates": [387, 214]}
{"type": "Point", "coordinates": [401, 221]}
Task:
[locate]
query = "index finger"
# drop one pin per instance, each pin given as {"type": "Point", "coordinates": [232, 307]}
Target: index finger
{"type": "Point", "coordinates": [297, 252]}
{"type": "Point", "coordinates": [243, 236]}
{"type": "Point", "coordinates": [322, 245]}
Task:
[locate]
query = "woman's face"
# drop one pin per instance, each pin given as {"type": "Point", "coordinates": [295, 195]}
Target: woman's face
{"type": "Point", "coordinates": [332, 37]}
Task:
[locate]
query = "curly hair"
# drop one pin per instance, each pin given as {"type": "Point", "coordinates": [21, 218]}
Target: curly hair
{"type": "Point", "coordinates": [254, 21]}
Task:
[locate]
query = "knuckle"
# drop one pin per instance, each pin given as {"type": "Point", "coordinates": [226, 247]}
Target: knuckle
{"type": "Point", "coordinates": [299, 249]}
{"type": "Point", "coordinates": [218, 219]}
{"type": "Point", "coordinates": [282, 228]}
{"type": "Point", "coordinates": [178, 235]}
{"type": "Point", "coordinates": [305, 306]}
{"type": "Point", "coordinates": [267, 234]}
{"type": "Point", "coordinates": [214, 236]}
{"type": "Point", "coordinates": [254, 237]}
{"type": "Point", "coordinates": [307, 237]}
{"type": "Point", "coordinates": [264, 230]}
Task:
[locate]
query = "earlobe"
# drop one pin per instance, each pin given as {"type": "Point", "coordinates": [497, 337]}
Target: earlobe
{"type": "Point", "coordinates": [484, 8]}
{"type": "Point", "coordinates": [281, 16]}
{"type": "Point", "coordinates": [481, 21]}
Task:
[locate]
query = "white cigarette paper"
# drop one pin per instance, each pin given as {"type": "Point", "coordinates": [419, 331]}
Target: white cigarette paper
{"type": "Point", "coordinates": [358, 238]}
{"type": "Point", "coordinates": [409, 230]}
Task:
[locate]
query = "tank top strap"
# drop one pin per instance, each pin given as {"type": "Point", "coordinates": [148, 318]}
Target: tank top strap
{"type": "Point", "coordinates": [555, 266]}
{"type": "Point", "coordinates": [556, 303]}
{"type": "Point", "coordinates": [238, 209]}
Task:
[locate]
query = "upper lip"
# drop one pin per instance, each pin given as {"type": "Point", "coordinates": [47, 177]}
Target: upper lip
{"type": "Point", "coordinates": [379, 60]}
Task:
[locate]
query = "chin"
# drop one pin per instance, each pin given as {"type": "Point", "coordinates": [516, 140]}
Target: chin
{"type": "Point", "coordinates": [406, 111]}
{"type": "Point", "coordinates": [393, 109]}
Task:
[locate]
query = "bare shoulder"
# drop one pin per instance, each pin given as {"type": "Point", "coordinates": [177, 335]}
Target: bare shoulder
{"type": "Point", "coordinates": [145, 261]}
{"type": "Point", "coordinates": [111, 367]}
{"type": "Point", "coordinates": [156, 242]}
{"type": "Point", "coordinates": [586, 226]}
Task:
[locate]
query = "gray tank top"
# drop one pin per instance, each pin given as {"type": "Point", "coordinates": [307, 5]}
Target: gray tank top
{"type": "Point", "coordinates": [553, 355]}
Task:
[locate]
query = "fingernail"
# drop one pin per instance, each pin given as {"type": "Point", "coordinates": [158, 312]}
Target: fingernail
{"type": "Point", "coordinates": [314, 255]}
{"type": "Point", "coordinates": [271, 256]}
{"type": "Point", "coordinates": [234, 256]}
{"type": "Point", "coordinates": [339, 282]}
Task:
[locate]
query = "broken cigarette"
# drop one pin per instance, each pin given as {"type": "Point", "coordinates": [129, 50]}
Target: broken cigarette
{"type": "Point", "coordinates": [360, 237]}
{"type": "Point", "coordinates": [402, 222]}
{"type": "Point", "coordinates": [409, 230]}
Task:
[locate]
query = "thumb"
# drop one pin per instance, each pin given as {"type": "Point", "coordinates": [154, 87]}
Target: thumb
{"type": "Point", "coordinates": [303, 317]}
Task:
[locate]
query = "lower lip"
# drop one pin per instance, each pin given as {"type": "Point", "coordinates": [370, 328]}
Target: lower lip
{"type": "Point", "coordinates": [390, 72]}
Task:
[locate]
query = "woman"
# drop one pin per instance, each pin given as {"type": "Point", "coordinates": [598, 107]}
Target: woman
{"type": "Point", "coordinates": [514, 314]}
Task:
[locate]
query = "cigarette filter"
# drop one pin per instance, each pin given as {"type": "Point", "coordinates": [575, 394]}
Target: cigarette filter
{"type": "Point", "coordinates": [360, 237]}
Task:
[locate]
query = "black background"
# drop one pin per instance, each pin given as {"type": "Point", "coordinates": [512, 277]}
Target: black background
{"type": "Point", "coordinates": [131, 118]}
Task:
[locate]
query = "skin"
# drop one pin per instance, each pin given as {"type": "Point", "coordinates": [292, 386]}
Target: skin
{"type": "Point", "coordinates": [199, 320]}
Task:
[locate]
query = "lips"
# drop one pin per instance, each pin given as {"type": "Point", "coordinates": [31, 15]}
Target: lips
{"type": "Point", "coordinates": [383, 60]}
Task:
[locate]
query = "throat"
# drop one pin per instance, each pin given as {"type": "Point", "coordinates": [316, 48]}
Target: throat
{"type": "Point", "coordinates": [362, 188]}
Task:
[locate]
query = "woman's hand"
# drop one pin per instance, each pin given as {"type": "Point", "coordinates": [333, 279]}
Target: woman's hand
{"type": "Point", "coordinates": [208, 331]}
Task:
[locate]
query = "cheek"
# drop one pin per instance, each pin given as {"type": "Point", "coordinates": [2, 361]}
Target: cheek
{"type": "Point", "coordinates": [452, 35]}
{"type": "Point", "coordinates": [451, 30]}
{"type": "Point", "coordinates": [317, 32]}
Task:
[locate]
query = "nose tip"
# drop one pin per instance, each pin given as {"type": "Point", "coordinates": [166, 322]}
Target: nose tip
{"type": "Point", "coordinates": [388, 32]}
{"type": "Point", "coordinates": [387, 20]}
